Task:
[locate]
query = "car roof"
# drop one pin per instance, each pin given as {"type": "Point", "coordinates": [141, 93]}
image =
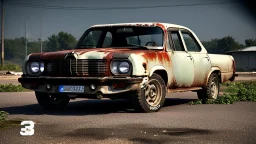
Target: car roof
{"type": "Point", "coordinates": [167, 25]}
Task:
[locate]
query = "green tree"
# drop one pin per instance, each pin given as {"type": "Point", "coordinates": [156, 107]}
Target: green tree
{"type": "Point", "coordinates": [61, 41]}
{"type": "Point", "coordinates": [15, 48]}
{"type": "Point", "coordinates": [211, 46]}
{"type": "Point", "coordinates": [227, 44]}
{"type": "Point", "coordinates": [250, 42]}
{"type": "Point", "coordinates": [220, 46]}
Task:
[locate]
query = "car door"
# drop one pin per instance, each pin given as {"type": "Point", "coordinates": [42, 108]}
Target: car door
{"type": "Point", "coordinates": [202, 64]}
{"type": "Point", "coordinates": [182, 61]}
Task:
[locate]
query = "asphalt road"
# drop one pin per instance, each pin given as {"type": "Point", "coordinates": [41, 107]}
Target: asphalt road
{"type": "Point", "coordinates": [106, 121]}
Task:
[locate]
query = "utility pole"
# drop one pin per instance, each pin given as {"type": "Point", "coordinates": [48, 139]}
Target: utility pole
{"type": "Point", "coordinates": [2, 35]}
{"type": "Point", "coordinates": [26, 48]}
{"type": "Point", "coordinates": [41, 33]}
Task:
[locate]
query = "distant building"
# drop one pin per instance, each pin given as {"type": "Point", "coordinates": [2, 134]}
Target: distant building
{"type": "Point", "coordinates": [245, 59]}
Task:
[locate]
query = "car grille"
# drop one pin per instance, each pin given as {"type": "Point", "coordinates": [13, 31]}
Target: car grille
{"type": "Point", "coordinates": [73, 67]}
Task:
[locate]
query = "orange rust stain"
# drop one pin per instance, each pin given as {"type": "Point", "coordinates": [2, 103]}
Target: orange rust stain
{"type": "Point", "coordinates": [165, 56]}
{"type": "Point", "coordinates": [198, 82]}
{"type": "Point", "coordinates": [150, 56]}
{"type": "Point", "coordinates": [234, 66]}
{"type": "Point", "coordinates": [173, 84]}
{"type": "Point", "coordinates": [165, 34]}
{"type": "Point", "coordinates": [159, 56]}
{"type": "Point", "coordinates": [138, 24]}
{"type": "Point", "coordinates": [108, 57]}
{"type": "Point", "coordinates": [205, 79]}
{"type": "Point", "coordinates": [224, 78]}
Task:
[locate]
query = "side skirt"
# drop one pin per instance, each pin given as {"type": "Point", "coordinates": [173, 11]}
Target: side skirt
{"type": "Point", "coordinates": [184, 89]}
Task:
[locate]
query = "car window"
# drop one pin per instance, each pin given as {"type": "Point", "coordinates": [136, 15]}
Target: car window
{"type": "Point", "coordinates": [122, 36]}
{"type": "Point", "coordinates": [108, 40]}
{"type": "Point", "coordinates": [91, 40]}
{"type": "Point", "coordinates": [145, 40]}
{"type": "Point", "coordinates": [176, 41]}
{"type": "Point", "coordinates": [190, 42]}
{"type": "Point", "coordinates": [133, 40]}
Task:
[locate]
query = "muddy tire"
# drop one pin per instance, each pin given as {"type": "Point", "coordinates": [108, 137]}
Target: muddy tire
{"type": "Point", "coordinates": [51, 101]}
{"type": "Point", "coordinates": [211, 91]}
{"type": "Point", "coordinates": [151, 98]}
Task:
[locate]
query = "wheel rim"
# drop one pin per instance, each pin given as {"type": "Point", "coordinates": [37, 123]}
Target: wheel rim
{"type": "Point", "coordinates": [214, 89]}
{"type": "Point", "coordinates": [55, 99]}
{"type": "Point", "coordinates": [153, 93]}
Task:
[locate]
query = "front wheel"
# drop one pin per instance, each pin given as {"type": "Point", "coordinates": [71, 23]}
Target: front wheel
{"type": "Point", "coordinates": [151, 98]}
{"type": "Point", "coordinates": [51, 101]}
{"type": "Point", "coordinates": [211, 91]}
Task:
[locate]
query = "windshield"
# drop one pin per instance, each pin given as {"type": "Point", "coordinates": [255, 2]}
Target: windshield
{"type": "Point", "coordinates": [129, 36]}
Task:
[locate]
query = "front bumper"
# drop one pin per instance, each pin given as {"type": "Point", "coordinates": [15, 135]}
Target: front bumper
{"type": "Point", "coordinates": [104, 85]}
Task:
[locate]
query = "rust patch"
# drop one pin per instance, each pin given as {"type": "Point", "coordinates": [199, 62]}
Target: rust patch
{"type": "Point", "coordinates": [234, 71]}
{"type": "Point", "coordinates": [173, 84]}
{"type": "Point", "coordinates": [145, 66]}
{"type": "Point", "coordinates": [165, 34]}
{"type": "Point", "coordinates": [108, 57]}
{"type": "Point", "coordinates": [157, 56]}
{"type": "Point", "coordinates": [205, 79]}
{"type": "Point", "coordinates": [234, 67]}
{"type": "Point", "coordinates": [200, 81]}
{"type": "Point", "coordinates": [224, 78]}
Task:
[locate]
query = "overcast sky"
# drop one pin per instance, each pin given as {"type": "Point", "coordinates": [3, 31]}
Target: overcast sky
{"type": "Point", "coordinates": [207, 21]}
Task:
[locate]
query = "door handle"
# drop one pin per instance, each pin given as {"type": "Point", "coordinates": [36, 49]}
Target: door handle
{"type": "Point", "coordinates": [190, 57]}
{"type": "Point", "coordinates": [207, 58]}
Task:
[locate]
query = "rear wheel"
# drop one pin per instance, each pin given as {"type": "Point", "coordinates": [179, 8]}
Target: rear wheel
{"type": "Point", "coordinates": [151, 98]}
{"type": "Point", "coordinates": [51, 101]}
{"type": "Point", "coordinates": [211, 91]}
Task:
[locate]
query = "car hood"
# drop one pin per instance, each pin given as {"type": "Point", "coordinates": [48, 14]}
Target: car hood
{"type": "Point", "coordinates": [143, 60]}
{"type": "Point", "coordinates": [94, 53]}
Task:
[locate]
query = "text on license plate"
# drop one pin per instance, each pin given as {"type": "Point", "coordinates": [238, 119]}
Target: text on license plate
{"type": "Point", "coordinates": [67, 88]}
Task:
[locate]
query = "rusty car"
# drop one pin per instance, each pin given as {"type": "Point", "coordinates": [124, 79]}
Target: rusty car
{"type": "Point", "coordinates": [137, 61]}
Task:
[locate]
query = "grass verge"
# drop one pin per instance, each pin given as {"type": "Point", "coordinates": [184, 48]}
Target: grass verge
{"type": "Point", "coordinates": [4, 123]}
{"type": "Point", "coordinates": [233, 91]}
{"type": "Point", "coordinates": [12, 88]}
{"type": "Point", "coordinates": [9, 123]}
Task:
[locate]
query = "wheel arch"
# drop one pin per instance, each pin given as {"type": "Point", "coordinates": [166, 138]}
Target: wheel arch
{"type": "Point", "coordinates": [161, 71]}
{"type": "Point", "coordinates": [214, 70]}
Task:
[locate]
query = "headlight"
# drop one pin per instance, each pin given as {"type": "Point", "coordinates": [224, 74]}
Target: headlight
{"type": "Point", "coordinates": [123, 67]}
{"type": "Point", "coordinates": [34, 67]}
{"type": "Point", "coordinates": [120, 67]}
{"type": "Point", "coordinates": [41, 67]}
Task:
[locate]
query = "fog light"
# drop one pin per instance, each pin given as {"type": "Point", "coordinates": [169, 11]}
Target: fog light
{"type": "Point", "coordinates": [48, 86]}
{"type": "Point", "coordinates": [93, 86]}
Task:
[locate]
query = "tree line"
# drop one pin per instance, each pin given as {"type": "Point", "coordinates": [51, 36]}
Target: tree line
{"type": "Point", "coordinates": [225, 44]}
{"type": "Point", "coordinates": [15, 48]}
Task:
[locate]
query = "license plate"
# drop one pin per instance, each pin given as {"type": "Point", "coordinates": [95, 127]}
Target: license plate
{"type": "Point", "coordinates": [67, 88]}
